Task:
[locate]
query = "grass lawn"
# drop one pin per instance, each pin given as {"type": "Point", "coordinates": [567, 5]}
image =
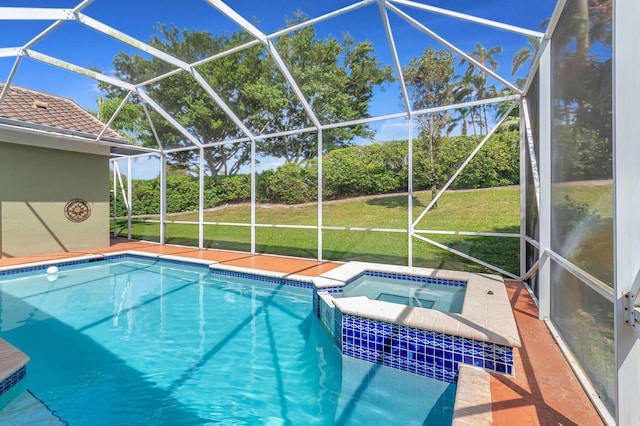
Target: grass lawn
{"type": "Point", "coordinates": [485, 210]}
{"type": "Point", "coordinates": [490, 210]}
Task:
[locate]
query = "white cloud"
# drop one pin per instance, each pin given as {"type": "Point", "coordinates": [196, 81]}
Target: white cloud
{"type": "Point", "coordinates": [392, 130]}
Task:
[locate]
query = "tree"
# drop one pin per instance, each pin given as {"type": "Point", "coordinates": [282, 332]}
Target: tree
{"type": "Point", "coordinates": [338, 80]}
{"type": "Point", "coordinates": [511, 122]}
{"type": "Point", "coordinates": [430, 83]}
{"type": "Point", "coordinates": [466, 117]}
{"type": "Point", "coordinates": [525, 54]}
{"type": "Point", "coordinates": [188, 102]}
{"type": "Point", "coordinates": [477, 80]}
{"type": "Point", "coordinates": [582, 98]}
{"type": "Point", "coordinates": [129, 121]}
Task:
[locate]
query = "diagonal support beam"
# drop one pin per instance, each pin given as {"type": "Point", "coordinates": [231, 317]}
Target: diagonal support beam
{"type": "Point", "coordinates": [453, 48]}
{"type": "Point", "coordinates": [120, 36]}
{"type": "Point", "coordinates": [259, 35]}
{"type": "Point", "coordinates": [470, 18]}
{"type": "Point", "coordinates": [464, 164]}
{"type": "Point", "coordinates": [182, 65]}
{"type": "Point", "coordinates": [394, 54]}
{"type": "Point", "coordinates": [532, 151]}
{"type": "Point", "coordinates": [466, 256]}
{"type": "Point", "coordinates": [168, 117]}
{"type": "Point", "coordinates": [153, 128]}
{"type": "Point", "coordinates": [113, 117]}
{"type": "Point", "coordinates": [77, 69]}
{"type": "Point", "coordinates": [56, 24]}
{"type": "Point", "coordinates": [221, 103]}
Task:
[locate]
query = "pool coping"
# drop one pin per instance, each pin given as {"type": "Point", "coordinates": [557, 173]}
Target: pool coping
{"type": "Point", "coordinates": [213, 264]}
{"type": "Point", "coordinates": [486, 311]}
{"type": "Point", "coordinates": [472, 405]}
{"type": "Point", "coordinates": [11, 360]}
{"type": "Point", "coordinates": [13, 369]}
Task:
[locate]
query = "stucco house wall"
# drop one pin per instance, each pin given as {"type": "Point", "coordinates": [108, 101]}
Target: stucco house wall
{"type": "Point", "coordinates": [52, 151]}
{"type": "Point", "coordinates": [35, 185]}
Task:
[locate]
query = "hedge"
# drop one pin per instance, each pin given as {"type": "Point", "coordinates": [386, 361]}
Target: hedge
{"type": "Point", "coordinates": [378, 168]}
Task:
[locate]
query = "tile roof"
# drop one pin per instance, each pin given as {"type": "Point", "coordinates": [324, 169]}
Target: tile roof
{"type": "Point", "coordinates": [31, 106]}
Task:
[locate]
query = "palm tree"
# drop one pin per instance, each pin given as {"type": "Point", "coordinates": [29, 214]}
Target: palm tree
{"type": "Point", "coordinates": [485, 57]}
{"type": "Point", "coordinates": [466, 116]}
{"type": "Point", "coordinates": [525, 54]}
{"type": "Point", "coordinates": [130, 121]}
{"type": "Point", "coordinates": [477, 81]}
{"type": "Point", "coordinates": [512, 121]}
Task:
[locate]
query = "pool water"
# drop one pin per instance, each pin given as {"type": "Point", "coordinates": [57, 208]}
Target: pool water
{"type": "Point", "coordinates": [430, 295]}
{"type": "Point", "coordinates": [137, 341]}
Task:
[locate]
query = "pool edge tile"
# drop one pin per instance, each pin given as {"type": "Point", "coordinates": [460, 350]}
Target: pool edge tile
{"type": "Point", "coordinates": [473, 398]}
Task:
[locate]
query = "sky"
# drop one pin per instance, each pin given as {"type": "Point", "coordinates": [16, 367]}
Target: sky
{"type": "Point", "coordinates": [83, 46]}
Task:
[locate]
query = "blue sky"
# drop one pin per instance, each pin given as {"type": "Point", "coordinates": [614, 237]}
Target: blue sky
{"type": "Point", "coordinates": [85, 47]}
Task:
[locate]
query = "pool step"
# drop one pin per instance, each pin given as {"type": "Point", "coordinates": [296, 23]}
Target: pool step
{"type": "Point", "coordinates": [26, 409]}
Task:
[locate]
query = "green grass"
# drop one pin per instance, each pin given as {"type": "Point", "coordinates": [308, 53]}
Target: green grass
{"type": "Point", "coordinates": [494, 210]}
{"type": "Point", "coordinates": [593, 251]}
{"type": "Point", "coordinates": [486, 210]}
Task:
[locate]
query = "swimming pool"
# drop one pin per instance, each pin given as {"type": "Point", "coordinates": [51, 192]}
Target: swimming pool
{"type": "Point", "coordinates": [132, 340]}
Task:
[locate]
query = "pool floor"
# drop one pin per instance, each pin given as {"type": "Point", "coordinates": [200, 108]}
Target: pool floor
{"type": "Point", "coordinates": [423, 295]}
{"type": "Point", "coordinates": [144, 342]}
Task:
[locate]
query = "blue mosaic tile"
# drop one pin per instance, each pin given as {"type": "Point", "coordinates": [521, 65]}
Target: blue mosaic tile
{"type": "Point", "coordinates": [262, 278]}
{"type": "Point", "coordinates": [12, 380]}
{"type": "Point", "coordinates": [422, 352]}
{"type": "Point", "coordinates": [62, 265]}
{"type": "Point", "coordinates": [410, 278]}
{"type": "Point", "coordinates": [337, 329]}
{"type": "Point", "coordinates": [45, 267]}
{"type": "Point", "coordinates": [316, 304]}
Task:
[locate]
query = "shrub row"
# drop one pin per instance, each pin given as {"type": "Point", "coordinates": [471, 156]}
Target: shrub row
{"type": "Point", "coordinates": [348, 172]}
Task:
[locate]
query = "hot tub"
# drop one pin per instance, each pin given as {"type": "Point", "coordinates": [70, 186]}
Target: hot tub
{"type": "Point", "coordinates": [410, 290]}
{"type": "Point", "coordinates": [402, 324]}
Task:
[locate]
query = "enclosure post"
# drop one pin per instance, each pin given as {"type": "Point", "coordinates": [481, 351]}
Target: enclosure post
{"type": "Point", "coordinates": [544, 274]}
{"type": "Point", "coordinates": [320, 194]}
{"type": "Point", "coordinates": [129, 198]}
{"type": "Point", "coordinates": [626, 151]}
{"type": "Point", "coordinates": [410, 191]}
{"type": "Point", "coordinates": [201, 200]}
{"type": "Point", "coordinates": [115, 199]}
{"type": "Point", "coordinates": [253, 196]}
{"type": "Point", "coordinates": [523, 194]}
{"type": "Point", "coordinates": [163, 198]}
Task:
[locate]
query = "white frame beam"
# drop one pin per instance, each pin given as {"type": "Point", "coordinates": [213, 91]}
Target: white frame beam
{"type": "Point", "coordinates": [464, 164]}
{"type": "Point", "coordinates": [487, 71]}
{"type": "Point", "coordinates": [626, 151]}
{"type": "Point", "coordinates": [523, 194]}
{"type": "Point", "coordinates": [163, 198]}
{"type": "Point", "coordinates": [470, 18]}
{"type": "Point", "coordinates": [544, 274]}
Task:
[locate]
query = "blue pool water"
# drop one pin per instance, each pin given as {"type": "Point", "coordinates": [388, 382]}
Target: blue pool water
{"type": "Point", "coordinates": [426, 294]}
{"type": "Point", "coordinates": [137, 341]}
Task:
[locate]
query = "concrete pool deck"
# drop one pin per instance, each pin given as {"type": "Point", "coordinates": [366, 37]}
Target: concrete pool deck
{"type": "Point", "coordinates": [543, 391]}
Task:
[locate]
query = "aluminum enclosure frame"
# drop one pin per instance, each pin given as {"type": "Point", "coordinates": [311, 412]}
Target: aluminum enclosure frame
{"type": "Point", "coordinates": [626, 91]}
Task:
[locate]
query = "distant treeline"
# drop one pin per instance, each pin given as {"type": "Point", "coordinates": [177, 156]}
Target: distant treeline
{"type": "Point", "coordinates": [358, 170]}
